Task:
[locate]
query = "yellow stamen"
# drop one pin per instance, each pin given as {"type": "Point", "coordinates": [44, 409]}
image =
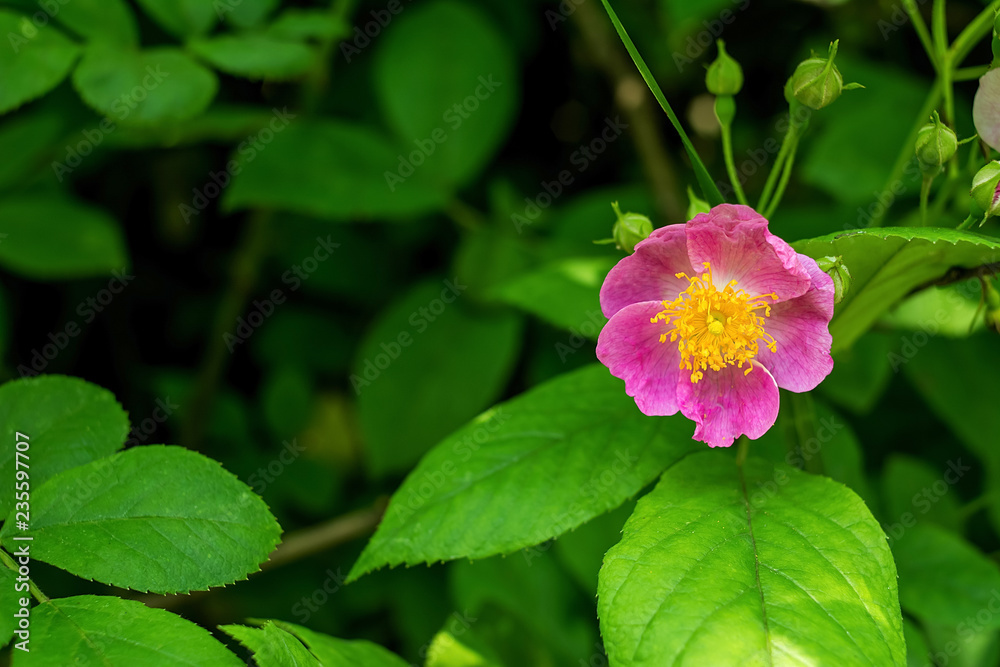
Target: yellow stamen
{"type": "Point", "coordinates": [715, 328]}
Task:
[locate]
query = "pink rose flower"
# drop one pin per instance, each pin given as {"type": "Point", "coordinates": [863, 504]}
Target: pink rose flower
{"type": "Point", "coordinates": [986, 109]}
{"type": "Point", "coordinates": [712, 316]}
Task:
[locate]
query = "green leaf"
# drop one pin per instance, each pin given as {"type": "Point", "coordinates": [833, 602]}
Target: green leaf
{"type": "Point", "coordinates": [565, 293]}
{"type": "Point", "coordinates": [245, 13]}
{"type": "Point", "coordinates": [532, 588]}
{"type": "Point", "coordinates": [453, 104]}
{"type": "Point", "coordinates": [429, 339]}
{"type": "Point", "coordinates": [121, 522]}
{"type": "Point", "coordinates": [581, 551]}
{"type": "Point", "coordinates": [527, 471]}
{"type": "Point", "coordinates": [37, 60]}
{"type": "Point", "coordinates": [329, 169]}
{"type": "Point", "coordinates": [183, 18]}
{"type": "Point", "coordinates": [449, 650]}
{"type": "Point", "coordinates": [68, 422]}
{"type": "Point", "coordinates": [311, 339]}
{"type": "Point", "coordinates": [757, 565]}
{"type": "Point", "coordinates": [705, 182]}
{"type": "Point", "coordinates": [911, 486]}
{"type": "Point", "coordinates": [967, 645]}
{"type": "Point", "coordinates": [26, 142]}
{"type": "Point", "coordinates": [10, 602]}
{"type": "Point", "coordinates": [887, 264]}
{"type": "Point", "coordinates": [945, 580]}
{"type": "Point", "coordinates": [271, 646]}
{"type": "Point", "coordinates": [951, 311]}
{"type": "Point", "coordinates": [255, 56]}
{"type": "Point", "coordinates": [306, 24]}
{"type": "Point", "coordinates": [916, 646]}
{"type": "Point", "coordinates": [286, 398]}
{"type": "Point", "coordinates": [109, 631]}
{"type": "Point", "coordinates": [49, 238]}
{"type": "Point", "coordinates": [156, 86]}
{"type": "Point", "coordinates": [109, 21]}
{"type": "Point", "coordinates": [333, 652]}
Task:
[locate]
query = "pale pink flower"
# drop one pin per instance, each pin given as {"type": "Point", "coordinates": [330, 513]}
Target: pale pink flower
{"type": "Point", "coordinates": [710, 317]}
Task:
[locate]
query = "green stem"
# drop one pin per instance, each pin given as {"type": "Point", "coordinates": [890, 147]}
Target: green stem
{"type": "Point", "coordinates": [978, 28]}
{"type": "Point", "coordinates": [708, 187]}
{"type": "Point", "coordinates": [906, 153]}
{"type": "Point", "coordinates": [804, 419]}
{"type": "Point", "coordinates": [970, 73]}
{"type": "Point", "coordinates": [727, 154]}
{"type": "Point", "coordinates": [968, 222]}
{"type": "Point", "coordinates": [975, 505]}
{"type": "Point", "coordinates": [925, 191]}
{"type": "Point", "coordinates": [918, 24]}
{"type": "Point", "coordinates": [464, 215]}
{"type": "Point", "coordinates": [776, 169]}
{"type": "Point", "coordinates": [245, 267]}
{"type": "Point", "coordinates": [742, 448]}
{"type": "Point", "coordinates": [943, 59]}
{"type": "Point", "coordinates": [35, 590]}
{"type": "Point", "coordinates": [786, 174]}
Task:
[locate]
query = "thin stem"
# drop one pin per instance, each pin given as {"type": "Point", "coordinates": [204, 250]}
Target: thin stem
{"type": "Point", "coordinates": [779, 162]}
{"type": "Point", "coordinates": [804, 419]}
{"type": "Point", "coordinates": [978, 28]}
{"type": "Point", "coordinates": [906, 153]}
{"type": "Point", "coordinates": [742, 449]}
{"type": "Point", "coordinates": [975, 505]}
{"type": "Point", "coordinates": [708, 187]}
{"type": "Point", "coordinates": [943, 59]}
{"type": "Point", "coordinates": [35, 590]}
{"type": "Point", "coordinates": [970, 73]}
{"type": "Point", "coordinates": [786, 174]}
{"type": "Point", "coordinates": [727, 154]}
{"type": "Point", "coordinates": [245, 267]}
{"type": "Point", "coordinates": [636, 103]}
{"type": "Point", "coordinates": [918, 24]}
{"type": "Point", "coordinates": [968, 222]}
{"type": "Point", "coordinates": [925, 191]}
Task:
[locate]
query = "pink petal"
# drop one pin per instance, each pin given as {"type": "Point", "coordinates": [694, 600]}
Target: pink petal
{"type": "Point", "coordinates": [726, 404]}
{"type": "Point", "coordinates": [649, 273]}
{"type": "Point", "coordinates": [629, 345]}
{"type": "Point", "coordinates": [986, 109]}
{"type": "Point", "coordinates": [735, 240]}
{"type": "Point", "coordinates": [800, 326]}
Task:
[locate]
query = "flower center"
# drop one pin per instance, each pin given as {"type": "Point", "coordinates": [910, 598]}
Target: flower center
{"type": "Point", "coordinates": [713, 328]}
